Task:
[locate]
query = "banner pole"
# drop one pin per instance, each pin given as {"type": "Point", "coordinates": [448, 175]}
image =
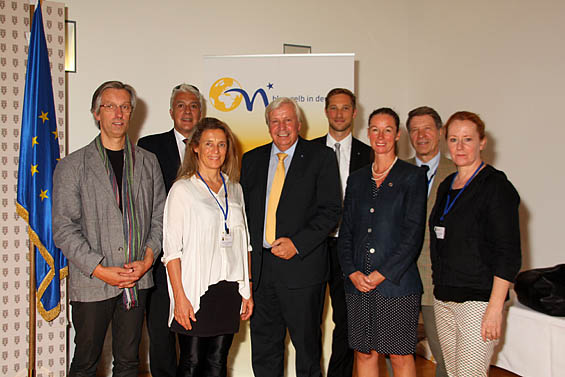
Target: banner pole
{"type": "Point", "coordinates": [32, 311]}
{"type": "Point", "coordinates": [32, 296]}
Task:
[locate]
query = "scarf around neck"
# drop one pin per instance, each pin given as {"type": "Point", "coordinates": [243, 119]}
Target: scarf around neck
{"type": "Point", "coordinates": [130, 224]}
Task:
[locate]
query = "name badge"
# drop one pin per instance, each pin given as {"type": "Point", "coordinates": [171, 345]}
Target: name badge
{"type": "Point", "coordinates": [226, 240]}
{"type": "Point", "coordinates": [440, 232]}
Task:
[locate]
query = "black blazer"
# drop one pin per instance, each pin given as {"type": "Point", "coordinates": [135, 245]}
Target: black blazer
{"type": "Point", "coordinates": [389, 227]}
{"type": "Point", "coordinates": [164, 146]}
{"type": "Point", "coordinates": [309, 208]}
{"type": "Point", "coordinates": [361, 153]}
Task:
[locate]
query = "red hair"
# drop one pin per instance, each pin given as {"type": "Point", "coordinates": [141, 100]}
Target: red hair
{"type": "Point", "coordinates": [467, 115]}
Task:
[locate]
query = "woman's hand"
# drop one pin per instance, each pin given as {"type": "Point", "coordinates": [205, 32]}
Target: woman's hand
{"type": "Point", "coordinates": [362, 282]}
{"type": "Point", "coordinates": [492, 324]}
{"type": "Point", "coordinates": [247, 308]}
{"type": "Point", "coordinates": [184, 312]}
{"type": "Point", "coordinates": [376, 277]}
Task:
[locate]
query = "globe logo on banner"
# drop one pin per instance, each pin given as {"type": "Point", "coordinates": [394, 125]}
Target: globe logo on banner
{"type": "Point", "coordinates": [226, 95]}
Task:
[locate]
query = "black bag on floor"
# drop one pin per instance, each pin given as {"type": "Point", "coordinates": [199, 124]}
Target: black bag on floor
{"type": "Point", "coordinates": [543, 289]}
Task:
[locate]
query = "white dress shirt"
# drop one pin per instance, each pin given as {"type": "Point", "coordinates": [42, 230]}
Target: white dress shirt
{"type": "Point", "coordinates": [192, 227]}
{"type": "Point", "coordinates": [344, 158]}
{"type": "Point", "coordinates": [180, 144]}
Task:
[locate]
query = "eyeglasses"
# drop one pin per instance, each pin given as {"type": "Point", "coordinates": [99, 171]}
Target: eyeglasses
{"type": "Point", "coordinates": [126, 108]}
{"type": "Point", "coordinates": [192, 86]}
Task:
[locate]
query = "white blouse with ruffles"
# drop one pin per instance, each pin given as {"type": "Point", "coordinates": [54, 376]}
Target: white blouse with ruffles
{"type": "Point", "coordinates": [192, 226]}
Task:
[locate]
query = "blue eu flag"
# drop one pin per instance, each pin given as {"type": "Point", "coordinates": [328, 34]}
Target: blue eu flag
{"type": "Point", "coordinates": [39, 153]}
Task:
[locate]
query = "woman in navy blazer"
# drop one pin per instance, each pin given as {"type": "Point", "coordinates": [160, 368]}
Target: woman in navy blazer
{"type": "Point", "coordinates": [379, 242]}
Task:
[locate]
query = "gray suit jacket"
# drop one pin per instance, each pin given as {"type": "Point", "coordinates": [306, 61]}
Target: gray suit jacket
{"type": "Point", "coordinates": [87, 222]}
{"type": "Point", "coordinates": [445, 168]}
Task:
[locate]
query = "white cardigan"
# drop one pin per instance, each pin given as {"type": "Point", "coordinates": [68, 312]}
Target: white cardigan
{"type": "Point", "coordinates": [192, 226]}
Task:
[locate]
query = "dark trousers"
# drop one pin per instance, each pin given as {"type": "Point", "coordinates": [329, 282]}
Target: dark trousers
{"type": "Point", "coordinates": [278, 308]}
{"type": "Point", "coordinates": [204, 356]}
{"type": "Point", "coordinates": [341, 359]}
{"type": "Point", "coordinates": [162, 342]}
{"type": "Point", "coordinates": [91, 321]}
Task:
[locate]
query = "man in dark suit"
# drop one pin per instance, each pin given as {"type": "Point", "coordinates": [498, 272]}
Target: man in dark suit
{"type": "Point", "coordinates": [292, 200]}
{"type": "Point", "coordinates": [352, 154]}
{"type": "Point", "coordinates": [425, 129]}
{"type": "Point", "coordinates": [186, 110]}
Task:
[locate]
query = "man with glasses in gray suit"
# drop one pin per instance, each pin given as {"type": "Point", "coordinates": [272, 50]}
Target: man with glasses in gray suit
{"type": "Point", "coordinates": [108, 200]}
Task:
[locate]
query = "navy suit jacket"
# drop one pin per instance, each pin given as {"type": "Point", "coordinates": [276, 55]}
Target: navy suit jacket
{"type": "Point", "coordinates": [309, 208]}
{"type": "Point", "coordinates": [389, 227]}
{"type": "Point", "coordinates": [164, 146]}
{"type": "Point", "coordinates": [361, 153]}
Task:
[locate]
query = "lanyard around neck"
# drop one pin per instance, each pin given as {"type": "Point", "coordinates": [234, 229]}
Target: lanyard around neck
{"type": "Point", "coordinates": [449, 205]}
{"type": "Point", "coordinates": [225, 213]}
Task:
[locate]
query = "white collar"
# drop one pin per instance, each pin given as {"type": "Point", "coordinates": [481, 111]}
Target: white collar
{"type": "Point", "coordinates": [433, 163]}
{"type": "Point", "coordinates": [345, 142]}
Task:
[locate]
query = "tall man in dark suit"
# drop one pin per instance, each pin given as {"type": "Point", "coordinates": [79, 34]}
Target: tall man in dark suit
{"type": "Point", "coordinates": [351, 154]}
{"type": "Point", "coordinates": [186, 110]}
{"type": "Point", "coordinates": [425, 129]}
{"type": "Point", "coordinates": [292, 200]}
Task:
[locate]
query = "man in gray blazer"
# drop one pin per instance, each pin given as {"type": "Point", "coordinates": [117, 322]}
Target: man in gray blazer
{"type": "Point", "coordinates": [425, 129]}
{"type": "Point", "coordinates": [108, 200]}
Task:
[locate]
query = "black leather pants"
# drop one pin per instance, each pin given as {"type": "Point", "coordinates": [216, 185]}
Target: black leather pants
{"type": "Point", "coordinates": [203, 356]}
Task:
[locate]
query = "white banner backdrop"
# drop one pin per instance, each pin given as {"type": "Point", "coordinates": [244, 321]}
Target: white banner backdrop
{"type": "Point", "coordinates": [239, 87]}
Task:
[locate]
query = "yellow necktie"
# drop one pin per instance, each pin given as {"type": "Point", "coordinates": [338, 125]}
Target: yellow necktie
{"type": "Point", "coordinates": [274, 196]}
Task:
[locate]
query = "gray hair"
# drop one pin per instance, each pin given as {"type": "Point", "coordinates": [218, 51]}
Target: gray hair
{"type": "Point", "coordinates": [278, 103]}
{"type": "Point", "coordinates": [97, 96]}
{"type": "Point", "coordinates": [187, 88]}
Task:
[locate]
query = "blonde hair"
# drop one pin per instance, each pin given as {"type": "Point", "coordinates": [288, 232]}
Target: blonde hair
{"type": "Point", "coordinates": [190, 163]}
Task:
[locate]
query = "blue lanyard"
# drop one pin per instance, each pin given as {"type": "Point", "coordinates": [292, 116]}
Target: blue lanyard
{"type": "Point", "coordinates": [448, 205]}
{"type": "Point", "coordinates": [225, 213]}
{"type": "Point", "coordinates": [432, 177]}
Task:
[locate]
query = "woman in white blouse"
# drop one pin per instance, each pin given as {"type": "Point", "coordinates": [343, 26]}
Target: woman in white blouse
{"type": "Point", "coordinates": [206, 251]}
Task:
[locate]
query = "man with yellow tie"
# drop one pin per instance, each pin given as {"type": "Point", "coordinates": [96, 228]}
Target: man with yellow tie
{"type": "Point", "coordinates": [292, 200]}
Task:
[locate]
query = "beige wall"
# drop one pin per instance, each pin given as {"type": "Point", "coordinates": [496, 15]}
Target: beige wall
{"type": "Point", "coordinates": [502, 59]}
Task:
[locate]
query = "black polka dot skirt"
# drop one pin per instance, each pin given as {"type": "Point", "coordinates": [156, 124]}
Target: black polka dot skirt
{"type": "Point", "coordinates": [387, 325]}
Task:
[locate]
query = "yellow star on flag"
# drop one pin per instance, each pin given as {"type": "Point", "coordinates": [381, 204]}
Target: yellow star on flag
{"type": "Point", "coordinates": [43, 195]}
{"type": "Point", "coordinates": [34, 141]}
{"type": "Point", "coordinates": [56, 134]}
{"type": "Point", "coordinates": [34, 170]}
{"type": "Point", "coordinates": [43, 116]}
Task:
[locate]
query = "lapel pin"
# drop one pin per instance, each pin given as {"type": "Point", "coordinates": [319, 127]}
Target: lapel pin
{"type": "Point", "coordinates": [390, 184]}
